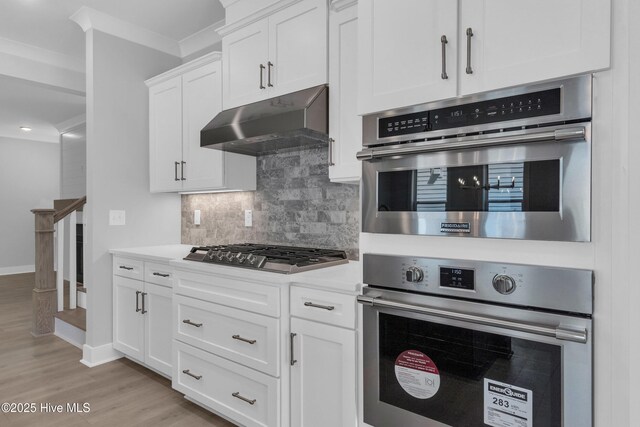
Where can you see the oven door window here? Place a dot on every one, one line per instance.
(441, 372)
(500, 187)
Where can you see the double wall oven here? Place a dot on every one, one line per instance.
(512, 163)
(466, 343)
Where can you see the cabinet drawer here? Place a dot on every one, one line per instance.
(223, 385)
(229, 291)
(322, 306)
(246, 338)
(127, 267)
(160, 274)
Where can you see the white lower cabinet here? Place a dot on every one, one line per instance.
(142, 318)
(248, 397)
(323, 378)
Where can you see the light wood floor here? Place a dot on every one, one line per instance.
(47, 370)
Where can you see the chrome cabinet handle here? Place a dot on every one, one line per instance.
(292, 361)
(138, 301)
(469, 70)
(444, 42)
(143, 309)
(187, 372)
(160, 274)
(124, 267)
(261, 77)
(239, 338)
(182, 178)
(324, 307)
(331, 141)
(270, 66)
(189, 322)
(175, 171)
(249, 401)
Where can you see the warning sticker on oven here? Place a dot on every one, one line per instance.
(417, 374)
(506, 405)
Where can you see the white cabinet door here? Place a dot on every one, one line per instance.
(298, 47)
(345, 125)
(323, 380)
(158, 326)
(165, 135)
(520, 41)
(128, 321)
(400, 52)
(244, 51)
(202, 101)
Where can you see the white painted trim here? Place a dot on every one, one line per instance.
(89, 18)
(339, 5)
(257, 16)
(94, 356)
(191, 65)
(7, 137)
(203, 39)
(69, 333)
(82, 300)
(38, 54)
(71, 124)
(227, 3)
(18, 269)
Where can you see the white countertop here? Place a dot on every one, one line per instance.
(345, 277)
(163, 253)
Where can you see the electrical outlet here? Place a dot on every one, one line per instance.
(116, 217)
(196, 217)
(248, 218)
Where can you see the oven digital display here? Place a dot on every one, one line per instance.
(457, 278)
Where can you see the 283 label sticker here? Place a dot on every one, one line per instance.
(506, 405)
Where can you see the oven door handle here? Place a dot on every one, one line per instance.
(577, 335)
(577, 133)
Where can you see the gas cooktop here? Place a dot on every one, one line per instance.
(274, 258)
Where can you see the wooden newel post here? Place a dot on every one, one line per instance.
(44, 294)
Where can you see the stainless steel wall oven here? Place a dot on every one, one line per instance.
(512, 163)
(465, 344)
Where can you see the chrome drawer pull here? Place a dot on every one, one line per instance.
(161, 275)
(249, 401)
(189, 322)
(324, 307)
(124, 267)
(138, 301)
(292, 359)
(197, 377)
(239, 338)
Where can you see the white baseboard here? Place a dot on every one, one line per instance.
(82, 300)
(4, 271)
(69, 333)
(94, 356)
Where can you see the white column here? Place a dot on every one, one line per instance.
(73, 277)
(60, 263)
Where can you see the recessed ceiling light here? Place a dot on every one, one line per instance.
(25, 128)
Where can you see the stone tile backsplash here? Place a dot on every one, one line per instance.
(294, 204)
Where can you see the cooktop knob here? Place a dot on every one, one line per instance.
(504, 284)
(241, 257)
(251, 258)
(219, 255)
(229, 256)
(414, 274)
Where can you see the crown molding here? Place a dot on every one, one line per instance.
(45, 56)
(71, 123)
(88, 18)
(39, 139)
(339, 5)
(203, 39)
(257, 16)
(184, 68)
(227, 3)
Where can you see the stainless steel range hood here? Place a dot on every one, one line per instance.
(285, 122)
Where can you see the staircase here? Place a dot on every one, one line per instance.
(55, 300)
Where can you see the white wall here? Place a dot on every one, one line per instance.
(28, 179)
(615, 247)
(73, 164)
(118, 169)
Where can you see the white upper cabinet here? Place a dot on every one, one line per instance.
(401, 56)
(520, 41)
(181, 103)
(345, 126)
(245, 61)
(283, 51)
(490, 44)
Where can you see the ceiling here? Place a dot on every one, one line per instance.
(45, 24)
